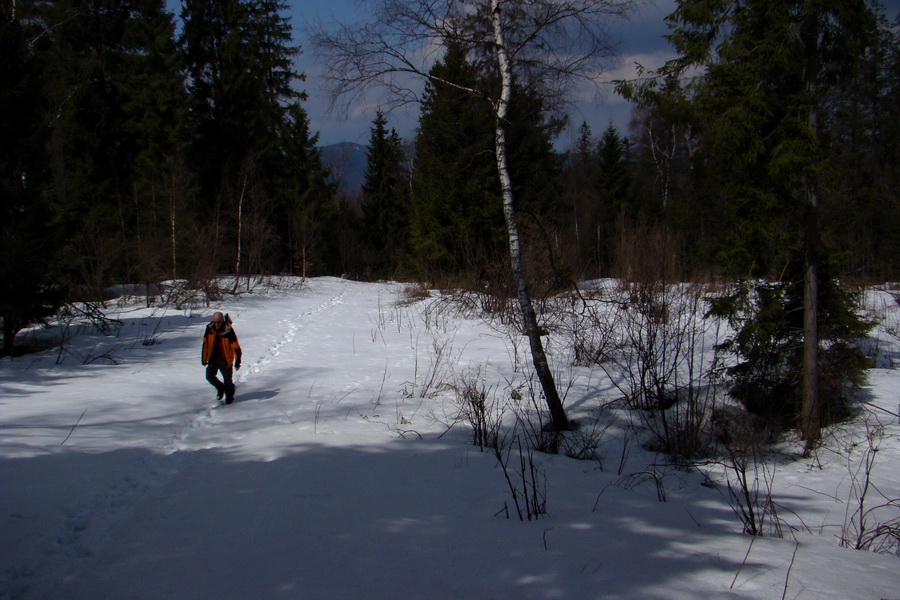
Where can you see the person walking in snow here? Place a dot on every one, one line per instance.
(221, 352)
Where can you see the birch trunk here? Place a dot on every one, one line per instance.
(538, 357)
(240, 225)
(173, 239)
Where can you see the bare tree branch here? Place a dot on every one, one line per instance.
(544, 45)
(552, 45)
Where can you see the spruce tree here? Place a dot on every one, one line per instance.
(247, 109)
(311, 215)
(28, 239)
(535, 170)
(457, 223)
(767, 64)
(155, 131)
(613, 178)
(613, 189)
(112, 94)
(456, 227)
(579, 176)
(385, 203)
(860, 187)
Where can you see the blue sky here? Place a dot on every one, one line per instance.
(640, 41)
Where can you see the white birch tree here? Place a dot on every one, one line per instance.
(547, 45)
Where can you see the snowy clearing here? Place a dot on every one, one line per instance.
(341, 471)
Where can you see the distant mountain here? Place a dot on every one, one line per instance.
(347, 162)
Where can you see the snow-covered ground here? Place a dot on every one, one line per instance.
(340, 472)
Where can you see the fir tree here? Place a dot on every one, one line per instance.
(860, 185)
(385, 203)
(28, 240)
(246, 106)
(579, 177)
(767, 65)
(613, 178)
(613, 189)
(111, 91)
(311, 214)
(156, 134)
(240, 56)
(456, 223)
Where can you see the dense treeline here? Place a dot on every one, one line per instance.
(133, 152)
(718, 158)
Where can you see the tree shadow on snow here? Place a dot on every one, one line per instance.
(241, 396)
(398, 519)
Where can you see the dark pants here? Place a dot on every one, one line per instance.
(212, 368)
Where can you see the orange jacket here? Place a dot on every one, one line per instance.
(228, 344)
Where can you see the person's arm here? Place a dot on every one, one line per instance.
(237, 351)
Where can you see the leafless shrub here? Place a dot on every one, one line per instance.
(652, 475)
(432, 378)
(432, 317)
(279, 282)
(481, 408)
(527, 483)
(583, 443)
(413, 293)
(655, 478)
(664, 363)
(870, 523)
(649, 332)
(63, 341)
(749, 479)
(76, 317)
(588, 324)
(533, 419)
(661, 360)
(188, 294)
(93, 314)
(480, 304)
(106, 355)
(150, 337)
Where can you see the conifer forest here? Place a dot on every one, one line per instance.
(143, 147)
